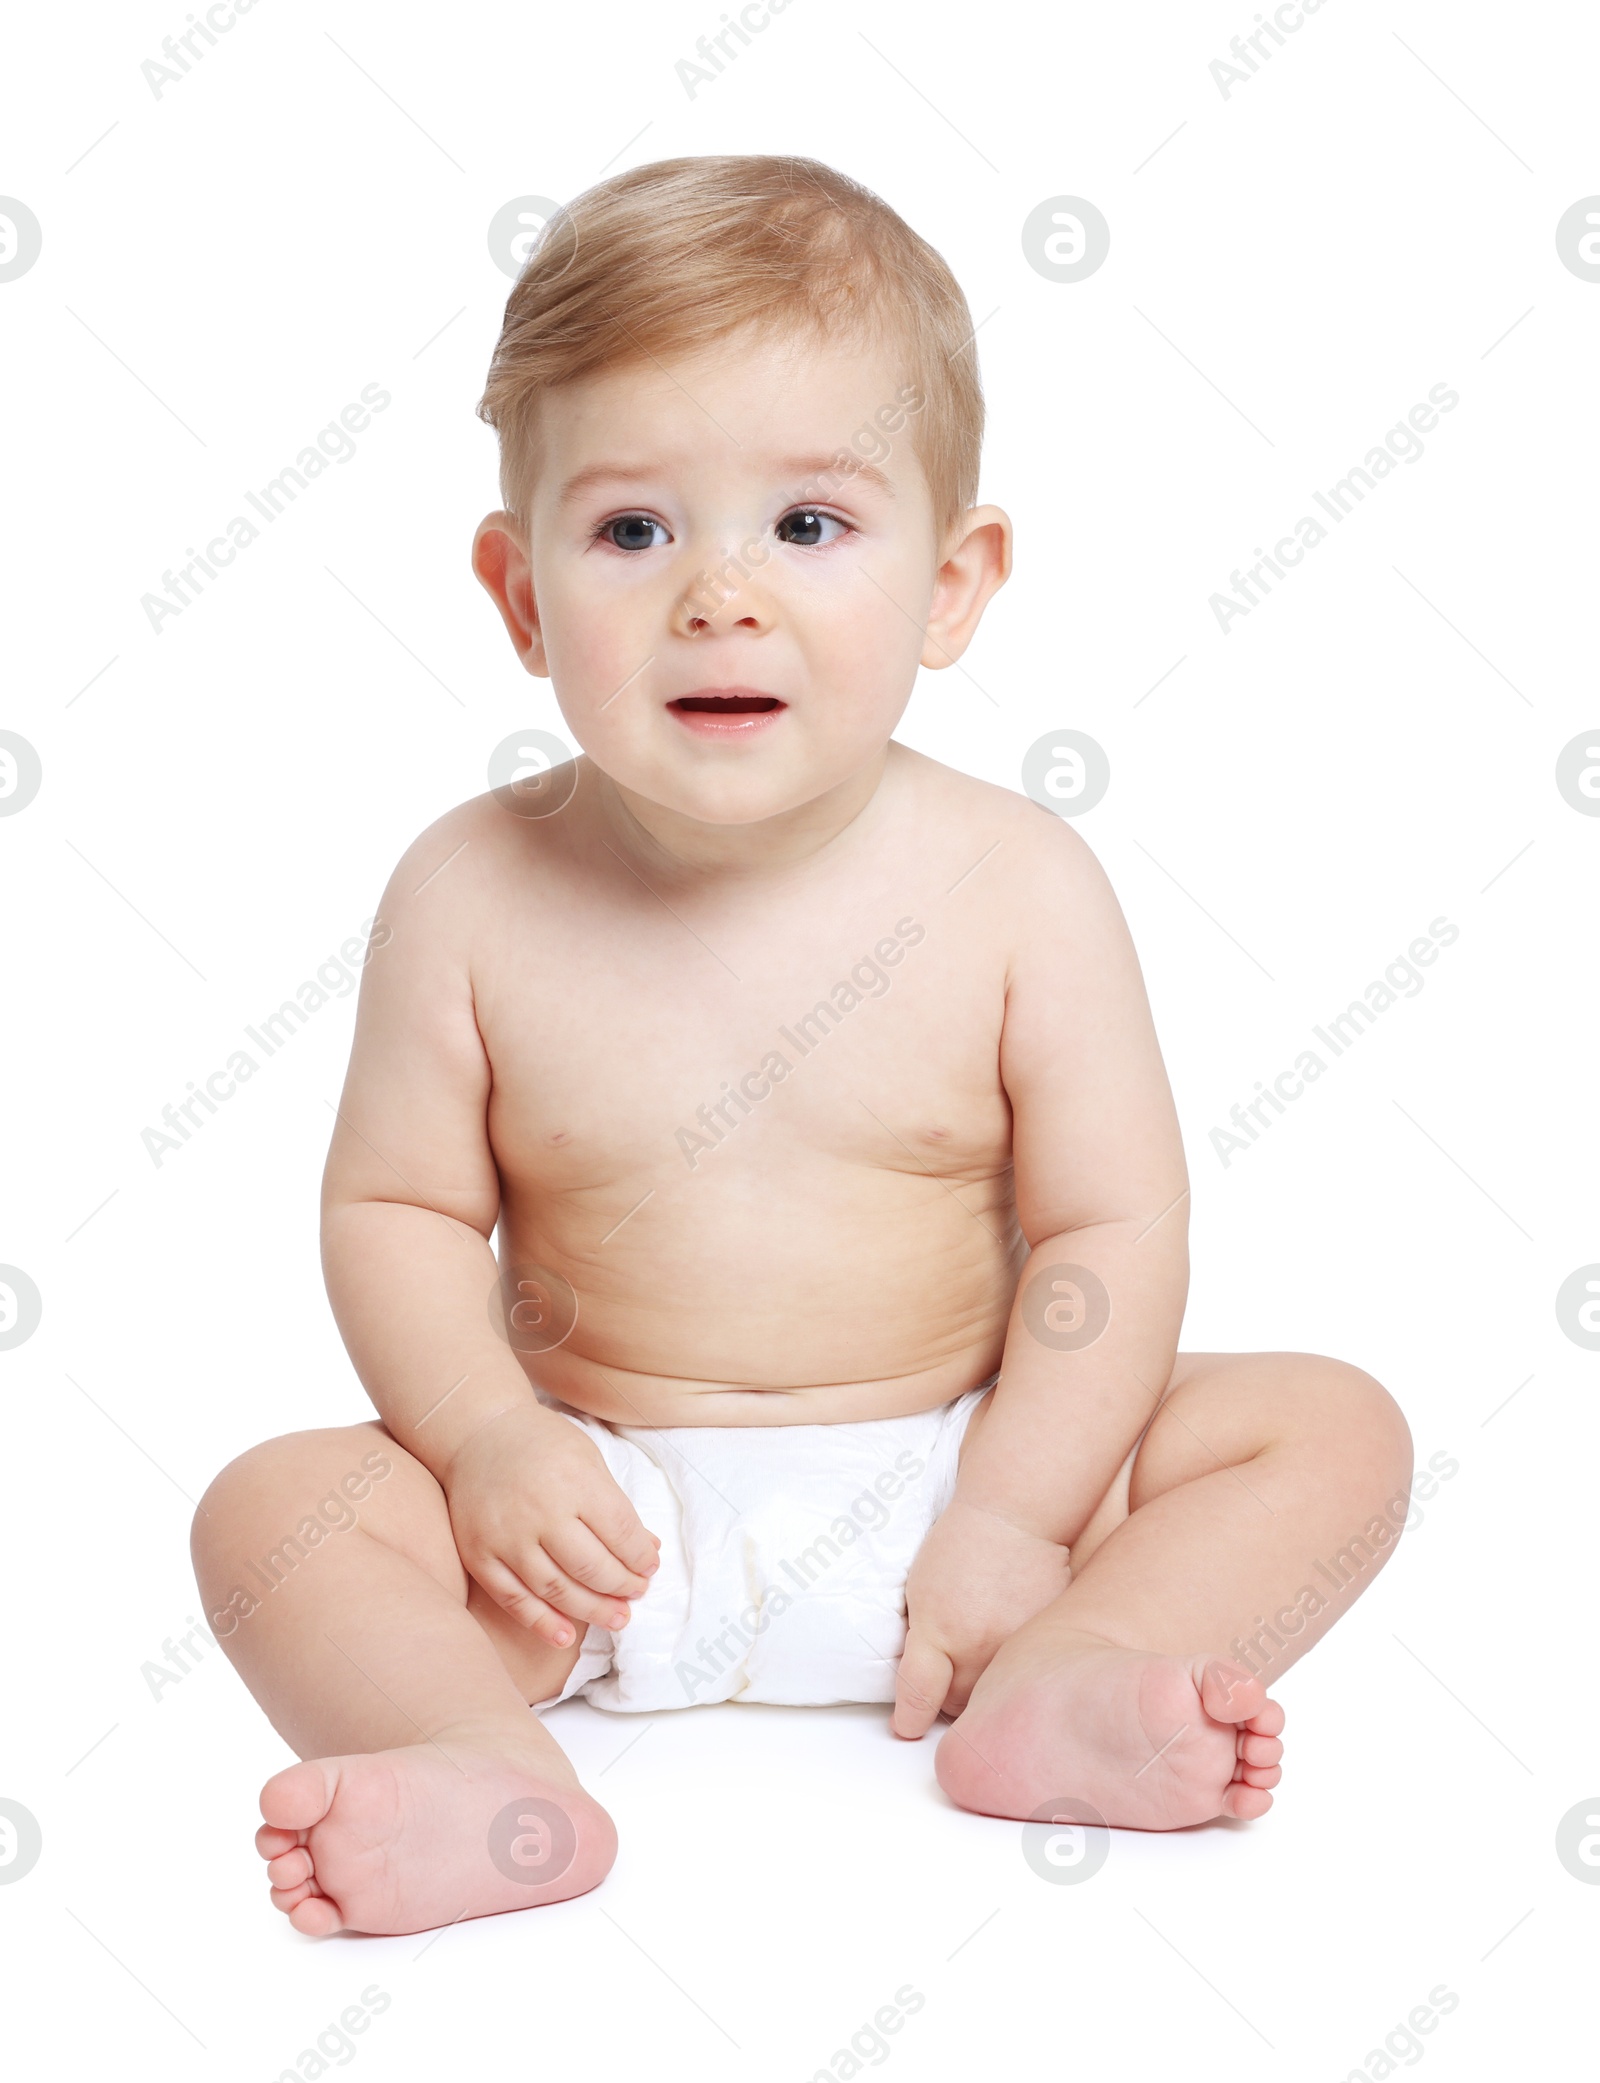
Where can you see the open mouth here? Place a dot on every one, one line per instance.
(728, 713)
(735, 704)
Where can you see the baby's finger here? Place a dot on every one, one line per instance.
(920, 1687)
(578, 1550)
(593, 1568)
(616, 1522)
(513, 1596)
(547, 1580)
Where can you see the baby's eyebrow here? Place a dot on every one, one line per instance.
(841, 464)
(811, 470)
(593, 474)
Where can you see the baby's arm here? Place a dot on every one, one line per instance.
(1101, 1187)
(410, 1200)
(1102, 1192)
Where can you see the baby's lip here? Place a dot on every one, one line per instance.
(727, 701)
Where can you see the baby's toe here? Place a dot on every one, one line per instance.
(1258, 1775)
(1260, 1750)
(290, 1898)
(290, 1867)
(1269, 1722)
(1246, 1803)
(1228, 1692)
(300, 1795)
(316, 1917)
(272, 1842)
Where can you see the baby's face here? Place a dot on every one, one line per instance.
(732, 622)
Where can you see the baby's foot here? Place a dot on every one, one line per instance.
(1151, 1742)
(403, 1840)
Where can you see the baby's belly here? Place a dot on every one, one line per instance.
(842, 1300)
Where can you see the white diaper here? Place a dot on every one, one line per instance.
(784, 1556)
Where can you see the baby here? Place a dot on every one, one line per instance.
(831, 1351)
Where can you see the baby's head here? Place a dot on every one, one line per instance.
(739, 420)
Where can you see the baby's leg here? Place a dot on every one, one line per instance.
(431, 1792)
(1244, 1531)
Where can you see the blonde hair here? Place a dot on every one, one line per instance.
(667, 259)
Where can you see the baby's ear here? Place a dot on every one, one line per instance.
(500, 560)
(977, 563)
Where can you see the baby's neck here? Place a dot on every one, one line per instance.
(653, 837)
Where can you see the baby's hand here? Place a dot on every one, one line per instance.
(542, 1524)
(976, 1579)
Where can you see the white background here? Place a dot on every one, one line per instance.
(304, 213)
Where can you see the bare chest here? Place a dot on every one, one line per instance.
(656, 1047)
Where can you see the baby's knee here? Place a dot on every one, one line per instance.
(1363, 1423)
(325, 1475)
(1375, 1408)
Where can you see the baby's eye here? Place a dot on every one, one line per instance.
(807, 519)
(623, 533)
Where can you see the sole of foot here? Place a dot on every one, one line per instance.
(1149, 1742)
(407, 1840)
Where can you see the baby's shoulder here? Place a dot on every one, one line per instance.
(471, 858)
(465, 827)
(1032, 848)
